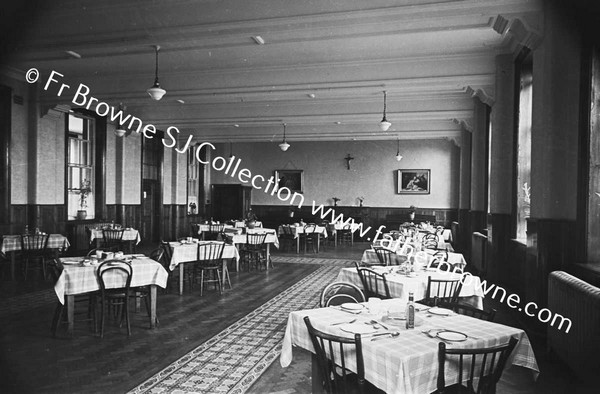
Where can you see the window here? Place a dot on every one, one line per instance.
(523, 145)
(80, 167)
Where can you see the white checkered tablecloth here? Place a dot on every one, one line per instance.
(78, 279)
(271, 236)
(297, 230)
(400, 285)
(407, 363)
(128, 235)
(183, 252)
(370, 257)
(11, 243)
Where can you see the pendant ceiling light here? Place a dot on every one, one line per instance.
(156, 92)
(384, 124)
(284, 145)
(398, 155)
(120, 130)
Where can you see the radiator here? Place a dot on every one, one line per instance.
(579, 301)
(478, 246)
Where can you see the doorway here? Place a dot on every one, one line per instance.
(152, 158)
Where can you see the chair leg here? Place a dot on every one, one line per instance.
(56, 319)
(102, 317)
(219, 281)
(226, 275)
(127, 314)
(201, 282)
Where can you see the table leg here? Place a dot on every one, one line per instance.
(318, 242)
(181, 278)
(153, 294)
(335, 238)
(13, 265)
(268, 256)
(297, 244)
(70, 301)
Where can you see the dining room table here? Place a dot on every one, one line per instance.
(79, 276)
(402, 360)
(185, 251)
(130, 235)
(401, 284)
(11, 245)
(455, 259)
(298, 229)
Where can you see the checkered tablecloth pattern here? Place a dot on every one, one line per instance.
(407, 363)
(183, 252)
(128, 235)
(78, 279)
(11, 243)
(297, 230)
(271, 236)
(400, 285)
(370, 257)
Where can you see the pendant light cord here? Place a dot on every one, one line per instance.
(156, 47)
(384, 105)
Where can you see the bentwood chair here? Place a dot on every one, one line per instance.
(480, 368)
(34, 249)
(310, 237)
(87, 300)
(209, 261)
(442, 290)
(345, 235)
(430, 241)
(287, 239)
(374, 283)
(331, 353)
(254, 252)
(195, 229)
(115, 290)
(338, 293)
(113, 238)
(384, 255)
(214, 230)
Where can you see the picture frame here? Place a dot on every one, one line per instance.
(292, 179)
(414, 181)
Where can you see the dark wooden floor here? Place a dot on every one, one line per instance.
(31, 361)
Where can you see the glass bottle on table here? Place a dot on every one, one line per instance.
(410, 311)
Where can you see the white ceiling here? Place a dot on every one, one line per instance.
(430, 56)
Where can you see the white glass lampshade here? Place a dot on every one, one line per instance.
(284, 146)
(156, 92)
(120, 131)
(398, 157)
(384, 125)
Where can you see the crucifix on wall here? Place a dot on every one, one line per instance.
(348, 158)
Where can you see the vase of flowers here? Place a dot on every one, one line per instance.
(84, 191)
(335, 201)
(411, 212)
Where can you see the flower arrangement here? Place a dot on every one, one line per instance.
(527, 191)
(361, 199)
(412, 209)
(84, 191)
(335, 201)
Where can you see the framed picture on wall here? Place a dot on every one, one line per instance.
(414, 181)
(292, 179)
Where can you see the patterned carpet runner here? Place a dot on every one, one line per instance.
(231, 361)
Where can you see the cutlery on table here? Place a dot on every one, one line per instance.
(382, 335)
(373, 322)
(343, 322)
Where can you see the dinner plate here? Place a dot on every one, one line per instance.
(440, 311)
(350, 306)
(452, 336)
(70, 262)
(357, 328)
